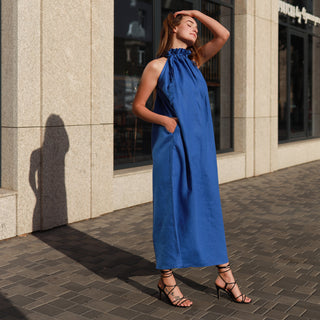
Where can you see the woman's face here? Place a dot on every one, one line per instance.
(187, 30)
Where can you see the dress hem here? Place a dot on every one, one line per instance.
(192, 265)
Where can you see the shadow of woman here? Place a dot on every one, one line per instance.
(7, 310)
(47, 176)
(105, 260)
(47, 180)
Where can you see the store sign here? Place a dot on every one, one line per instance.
(295, 12)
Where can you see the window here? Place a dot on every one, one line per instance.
(299, 80)
(136, 37)
(218, 73)
(133, 49)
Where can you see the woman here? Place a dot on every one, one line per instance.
(188, 228)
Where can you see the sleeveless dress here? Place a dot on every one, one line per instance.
(188, 226)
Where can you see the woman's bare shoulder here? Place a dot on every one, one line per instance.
(156, 65)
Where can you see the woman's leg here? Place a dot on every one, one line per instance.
(167, 284)
(226, 282)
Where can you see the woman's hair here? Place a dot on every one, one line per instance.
(166, 36)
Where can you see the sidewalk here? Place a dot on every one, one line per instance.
(105, 269)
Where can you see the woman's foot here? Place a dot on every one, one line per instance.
(167, 285)
(225, 281)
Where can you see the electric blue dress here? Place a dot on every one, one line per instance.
(188, 226)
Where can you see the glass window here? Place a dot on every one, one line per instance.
(133, 49)
(136, 37)
(218, 74)
(299, 78)
(282, 74)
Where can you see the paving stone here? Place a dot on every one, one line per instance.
(21, 301)
(79, 309)
(146, 317)
(62, 304)
(48, 310)
(275, 314)
(70, 316)
(124, 313)
(290, 317)
(297, 311)
(93, 314)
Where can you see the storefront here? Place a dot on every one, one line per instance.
(69, 73)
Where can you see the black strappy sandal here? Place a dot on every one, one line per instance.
(177, 301)
(229, 290)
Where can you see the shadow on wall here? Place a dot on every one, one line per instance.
(47, 176)
(7, 310)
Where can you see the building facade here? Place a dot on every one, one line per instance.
(70, 146)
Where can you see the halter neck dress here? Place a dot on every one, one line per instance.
(188, 226)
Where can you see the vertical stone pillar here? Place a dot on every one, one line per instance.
(244, 82)
(102, 107)
(21, 98)
(256, 83)
(266, 86)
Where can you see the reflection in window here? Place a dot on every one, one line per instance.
(218, 74)
(133, 49)
(282, 81)
(299, 77)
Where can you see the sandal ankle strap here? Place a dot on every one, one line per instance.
(227, 267)
(166, 273)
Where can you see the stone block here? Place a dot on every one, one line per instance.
(8, 209)
(66, 64)
(244, 66)
(262, 145)
(262, 67)
(102, 61)
(102, 169)
(132, 186)
(29, 60)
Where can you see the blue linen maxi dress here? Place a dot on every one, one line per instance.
(188, 226)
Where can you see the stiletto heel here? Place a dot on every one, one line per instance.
(229, 290)
(218, 291)
(177, 301)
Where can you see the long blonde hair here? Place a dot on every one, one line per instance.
(166, 38)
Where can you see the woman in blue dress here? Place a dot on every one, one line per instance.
(188, 227)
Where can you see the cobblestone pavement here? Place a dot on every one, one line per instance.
(105, 268)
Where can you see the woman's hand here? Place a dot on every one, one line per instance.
(190, 13)
(170, 124)
(219, 32)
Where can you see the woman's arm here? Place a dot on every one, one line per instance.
(147, 84)
(220, 33)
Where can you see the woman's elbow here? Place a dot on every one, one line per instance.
(225, 36)
(135, 109)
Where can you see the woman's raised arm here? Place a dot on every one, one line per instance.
(220, 34)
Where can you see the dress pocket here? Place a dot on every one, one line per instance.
(175, 129)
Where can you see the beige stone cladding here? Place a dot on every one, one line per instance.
(255, 109)
(57, 112)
